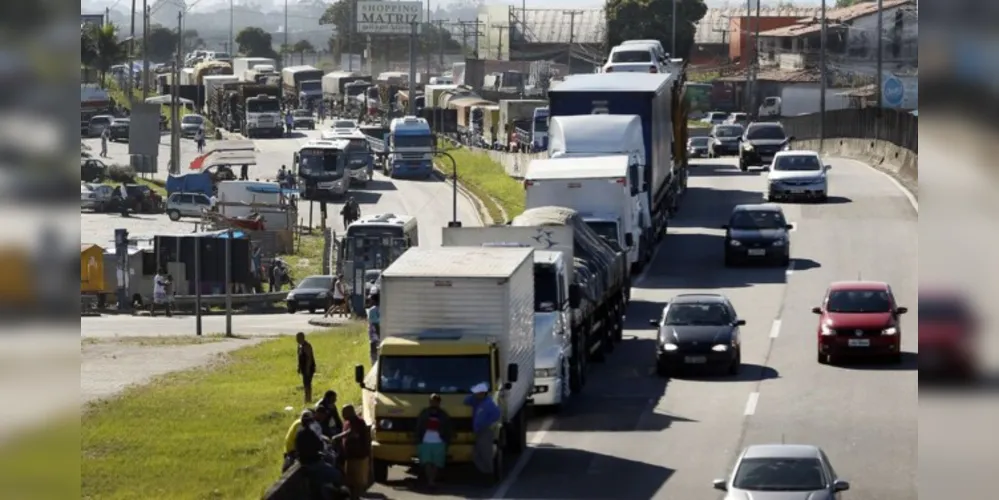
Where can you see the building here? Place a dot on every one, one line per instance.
(576, 38)
(720, 39)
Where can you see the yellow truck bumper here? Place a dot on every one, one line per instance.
(405, 454)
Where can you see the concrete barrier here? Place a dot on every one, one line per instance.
(900, 163)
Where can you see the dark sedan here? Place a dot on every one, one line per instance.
(119, 129)
(697, 147)
(698, 330)
(760, 142)
(724, 140)
(757, 233)
(314, 292)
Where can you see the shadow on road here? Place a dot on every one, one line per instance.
(909, 363)
(719, 169)
(375, 185)
(711, 208)
(747, 373)
(366, 197)
(804, 264)
(697, 261)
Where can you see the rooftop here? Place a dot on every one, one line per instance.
(714, 26)
(758, 207)
(781, 451)
(777, 75)
(858, 285)
(689, 298)
(811, 23)
(554, 25)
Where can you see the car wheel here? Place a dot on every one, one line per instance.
(822, 359)
(291, 309)
(771, 197)
(785, 261)
(736, 364)
(662, 369)
(379, 469)
(743, 166)
(174, 215)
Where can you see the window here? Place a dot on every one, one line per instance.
(631, 56)
(344, 124)
(859, 301)
(317, 282)
(202, 200)
(546, 289)
(195, 119)
(699, 314)
(698, 141)
(757, 219)
(775, 132)
(798, 163)
(432, 374)
(780, 474)
(185, 199)
(728, 131)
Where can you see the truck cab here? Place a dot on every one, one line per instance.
(263, 117)
(539, 130)
(411, 148)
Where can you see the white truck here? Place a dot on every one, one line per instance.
(451, 319)
(589, 136)
(552, 277)
(213, 82)
(263, 74)
(187, 76)
(602, 189)
(241, 65)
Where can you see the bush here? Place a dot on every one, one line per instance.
(121, 173)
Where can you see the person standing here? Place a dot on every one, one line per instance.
(244, 172)
(356, 451)
(289, 121)
(485, 414)
(374, 315)
(105, 135)
(199, 138)
(306, 364)
(160, 284)
(433, 432)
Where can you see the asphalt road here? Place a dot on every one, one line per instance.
(633, 435)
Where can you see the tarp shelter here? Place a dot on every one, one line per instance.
(166, 100)
(180, 248)
(226, 153)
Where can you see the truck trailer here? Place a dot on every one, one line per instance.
(241, 65)
(301, 85)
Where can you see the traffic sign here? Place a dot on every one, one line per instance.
(892, 92)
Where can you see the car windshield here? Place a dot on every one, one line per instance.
(412, 141)
(858, 301)
(738, 117)
(195, 119)
(631, 56)
(779, 474)
(699, 141)
(798, 163)
(323, 282)
(706, 314)
(774, 132)
(123, 121)
(757, 219)
(728, 131)
(100, 120)
(431, 374)
(343, 124)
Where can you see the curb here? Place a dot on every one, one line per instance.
(329, 322)
(480, 208)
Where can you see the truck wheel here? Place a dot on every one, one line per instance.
(379, 469)
(577, 368)
(598, 355)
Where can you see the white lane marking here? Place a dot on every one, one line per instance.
(648, 267)
(775, 329)
(754, 398)
(790, 268)
(525, 457)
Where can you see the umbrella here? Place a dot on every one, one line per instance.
(167, 100)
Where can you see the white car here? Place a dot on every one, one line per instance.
(656, 45)
(633, 59)
(716, 117)
(797, 174)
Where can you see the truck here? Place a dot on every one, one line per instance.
(334, 86)
(208, 68)
(598, 287)
(602, 190)
(187, 76)
(213, 82)
(658, 99)
(355, 97)
(241, 65)
(590, 136)
(251, 109)
(262, 74)
(539, 129)
(514, 110)
(552, 270)
(434, 92)
(452, 318)
(301, 85)
(405, 148)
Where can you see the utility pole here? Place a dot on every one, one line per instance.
(464, 35)
(175, 102)
(572, 35)
(426, 49)
(756, 57)
(440, 41)
(414, 38)
(744, 42)
(145, 51)
(107, 16)
(822, 78)
(131, 57)
(232, 8)
(672, 46)
(880, 77)
(499, 49)
(284, 49)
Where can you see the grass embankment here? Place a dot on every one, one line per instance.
(308, 257)
(485, 179)
(121, 97)
(155, 341)
(215, 432)
(42, 463)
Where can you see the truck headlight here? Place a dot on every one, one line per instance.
(747, 146)
(545, 373)
(385, 424)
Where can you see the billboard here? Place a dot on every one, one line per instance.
(388, 18)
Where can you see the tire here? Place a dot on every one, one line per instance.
(174, 215)
(499, 467)
(578, 365)
(785, 262)
(598, 356)
(823, 359)
(312, 310)
(733, 368)
(663, 370)
(379, 470)
(516, 435)
(291, 309)
(770, 197)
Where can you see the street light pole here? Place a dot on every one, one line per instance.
(232, 6)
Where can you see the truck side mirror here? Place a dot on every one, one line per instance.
(574, 296)
(295, 158)
(629, 240)
(359, 374)
(512, 373)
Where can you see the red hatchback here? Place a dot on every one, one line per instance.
(859, 319)
(947, 340)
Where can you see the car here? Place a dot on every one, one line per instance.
(724, 140)
(190, 124)
(303, 119)
(760, 143)
(98, 123)
(92, 170)
(859, 319)
(346, 126)
(697, 147)
(187, 205)
(782, 472)
(757, 233)
(633, 59)
(715, 117)
(312, 293)
(119, 129)
(96, 197)
(656, 46)
(738, 119)
(947, 337)
(698, 330)
(797, 174)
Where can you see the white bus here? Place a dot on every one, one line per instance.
(370, 245)
(320, 169)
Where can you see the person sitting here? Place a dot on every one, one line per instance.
(311, 449)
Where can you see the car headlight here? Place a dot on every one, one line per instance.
(385, 424)
(735, 243)
(747, 146)
(321, 295)
(669, 346)
(891, 330)
(826, 330)
(778, 243)
(545, 373)
(290, 296)
(720, 348)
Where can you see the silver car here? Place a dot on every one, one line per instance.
(187, 205)
(190, 124)
(98, 123)
(782, 472)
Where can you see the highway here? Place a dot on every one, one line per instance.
(633, 435)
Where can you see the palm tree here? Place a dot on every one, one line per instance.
(101, 49)
(300, 48)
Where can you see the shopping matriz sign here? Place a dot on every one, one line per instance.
(388, 18)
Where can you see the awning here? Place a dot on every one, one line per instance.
(168, 100)
(231, 146)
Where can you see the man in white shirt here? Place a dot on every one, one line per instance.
(160, 284)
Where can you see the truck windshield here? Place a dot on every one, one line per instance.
(541, 124)
(263, 106)
(607, 229)
(432, 374)
(411, 141)
(545, 288)
(357, 152)
(311, 86)
(320, 162)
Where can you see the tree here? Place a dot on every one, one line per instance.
(162, 43)
(101, 49)
(255, 42)
(653, 19)
(302, 47)
(338, 15)
(191, 41)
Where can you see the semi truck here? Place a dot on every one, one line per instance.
(213, 82)
(262, 74)
(658, 99)
(598, 287)
(301, 85)
(587, 136)
(334, 87)
(552, 278)
(603, 189)
(241, 65)
(451, 319)
(251, 109)
(405, 148)
(518, 110)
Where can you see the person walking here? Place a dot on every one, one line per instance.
(485, 414)
(161, 282)
(433, 433)
(356, 451)
(244, 172)
(105, 135)
(306, 364)
(199, 138)
(374, 315)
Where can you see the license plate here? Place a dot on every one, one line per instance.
(858, 343)
(797, 191)
(757, 252)
(695, 360)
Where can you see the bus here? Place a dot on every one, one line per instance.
(371, 244)
(320, 169)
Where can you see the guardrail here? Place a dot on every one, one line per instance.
(238, 300)
(898, 127)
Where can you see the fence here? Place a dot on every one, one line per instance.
(900, 128)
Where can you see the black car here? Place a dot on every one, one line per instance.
(119, 129)
(697, 147)
(760, 142)
(724, 140)
(698, 331)
(303, 119)
(757, 233)
(314, 292)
